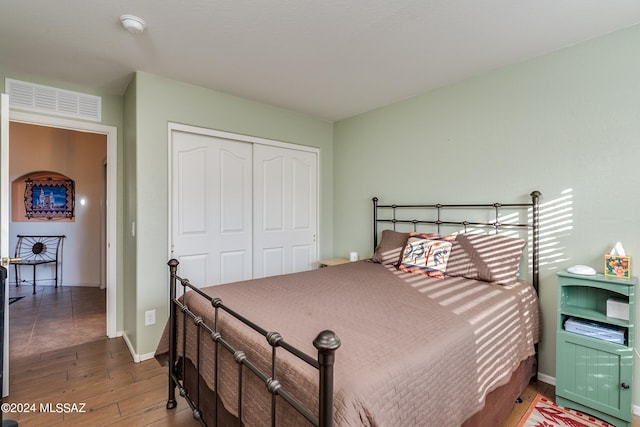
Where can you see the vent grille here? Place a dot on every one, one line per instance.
(51, 100)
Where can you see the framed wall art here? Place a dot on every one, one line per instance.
(49, 198)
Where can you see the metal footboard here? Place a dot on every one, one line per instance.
(326, 343)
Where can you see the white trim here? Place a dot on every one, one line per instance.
(136, 358)
(238, 137)
(547, 379)
(4, 228)
(147, 356)
(111, 132)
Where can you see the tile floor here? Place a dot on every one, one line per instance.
(55, 318)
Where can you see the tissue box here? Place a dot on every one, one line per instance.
(617, 266)
(618, 308)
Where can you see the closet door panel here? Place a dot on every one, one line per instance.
(285, 210)
(301, 193)
(196, 267)
(273, 261)
(271, 193)
(191, 166)
(211, 217)
(234, 215)
(232, 266)
(269, 211)
(301, 257)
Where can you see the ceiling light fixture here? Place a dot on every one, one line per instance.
(133, 24)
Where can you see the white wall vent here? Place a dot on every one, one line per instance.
(54, 101)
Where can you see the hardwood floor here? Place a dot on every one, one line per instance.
(59, 354)
(527, 397)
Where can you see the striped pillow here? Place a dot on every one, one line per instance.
(488, 257)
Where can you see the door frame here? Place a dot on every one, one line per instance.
(4, 228)
(111, 132)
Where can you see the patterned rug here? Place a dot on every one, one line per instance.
(543, 412)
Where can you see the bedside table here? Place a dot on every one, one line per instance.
(331, 262)
(593, 374)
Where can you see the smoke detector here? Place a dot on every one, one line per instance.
(133, 24)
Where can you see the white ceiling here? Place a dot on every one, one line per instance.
(329, 58)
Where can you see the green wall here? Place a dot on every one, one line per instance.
(567, 124)
(159, 101)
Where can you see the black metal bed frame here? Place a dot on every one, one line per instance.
(326, 342)
(437, 209)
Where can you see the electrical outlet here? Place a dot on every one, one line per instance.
(149, 317)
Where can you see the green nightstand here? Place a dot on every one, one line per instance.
(594, 368)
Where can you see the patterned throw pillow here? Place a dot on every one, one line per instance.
(426, 254)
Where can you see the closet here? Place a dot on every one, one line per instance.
(240, 207)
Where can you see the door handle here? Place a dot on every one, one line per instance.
(5, 261)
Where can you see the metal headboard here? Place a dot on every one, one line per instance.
(396, 214)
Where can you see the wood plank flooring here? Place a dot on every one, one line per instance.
(59, 354)
(69, 360)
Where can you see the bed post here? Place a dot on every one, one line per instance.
(327, 343)
(173, 268)
(375, 223)
(535, 196)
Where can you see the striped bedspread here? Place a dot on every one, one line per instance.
(415, 350)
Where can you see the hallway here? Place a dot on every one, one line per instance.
(54, 318)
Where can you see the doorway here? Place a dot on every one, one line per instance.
(107, 235)
(42, 154)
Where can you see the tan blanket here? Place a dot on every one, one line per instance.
(415, 350)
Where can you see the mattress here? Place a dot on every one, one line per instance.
(416, 350)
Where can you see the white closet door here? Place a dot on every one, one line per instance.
(285, 210)
(211, 216)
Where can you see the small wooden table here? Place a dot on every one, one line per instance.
(331, 262)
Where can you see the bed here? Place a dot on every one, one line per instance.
(390, 340)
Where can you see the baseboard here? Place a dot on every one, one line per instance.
(547, 379)
(136, 358)
(147, 356)
(50, 283)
